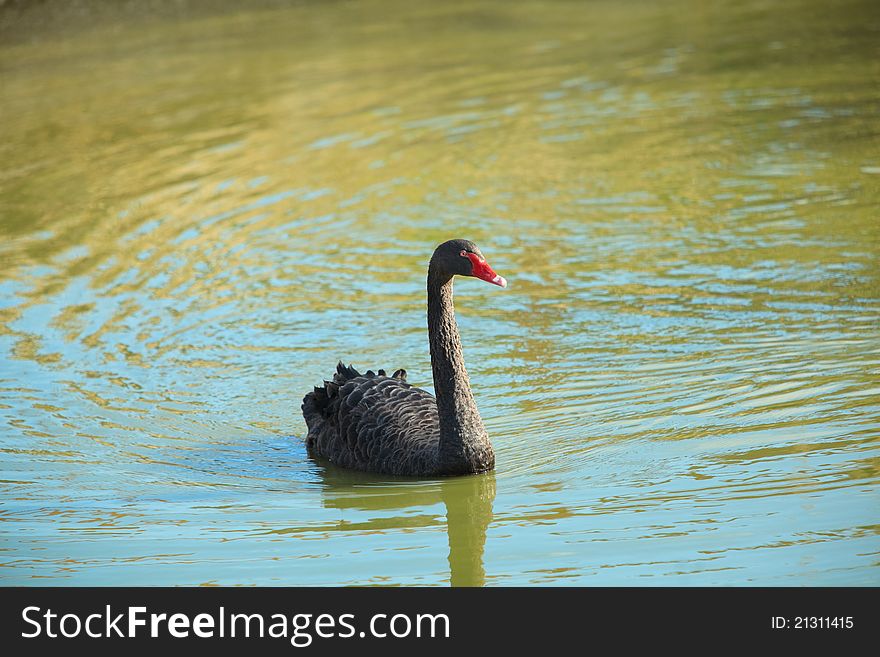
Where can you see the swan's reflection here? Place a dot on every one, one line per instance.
(468, 502)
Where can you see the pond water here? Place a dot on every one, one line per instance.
(202, 210)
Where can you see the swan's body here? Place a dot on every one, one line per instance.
(374, 423)
(377, 423)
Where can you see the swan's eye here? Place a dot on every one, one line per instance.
(463, 253)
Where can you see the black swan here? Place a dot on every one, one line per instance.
(377, 423)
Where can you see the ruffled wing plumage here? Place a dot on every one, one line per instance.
(373, 422)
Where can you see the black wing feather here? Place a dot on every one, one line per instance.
(373, 422)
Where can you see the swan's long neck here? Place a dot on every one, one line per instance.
(464, 443)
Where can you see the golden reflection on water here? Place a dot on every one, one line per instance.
(468, 509)
(199, 216)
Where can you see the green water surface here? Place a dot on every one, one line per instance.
(203, 207)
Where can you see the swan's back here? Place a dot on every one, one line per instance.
(373, 422)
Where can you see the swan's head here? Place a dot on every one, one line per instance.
(463, 258)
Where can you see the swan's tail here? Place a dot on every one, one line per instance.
(323, 401)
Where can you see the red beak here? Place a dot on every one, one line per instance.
(482, 270)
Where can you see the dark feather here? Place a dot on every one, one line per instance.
(373, 423)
